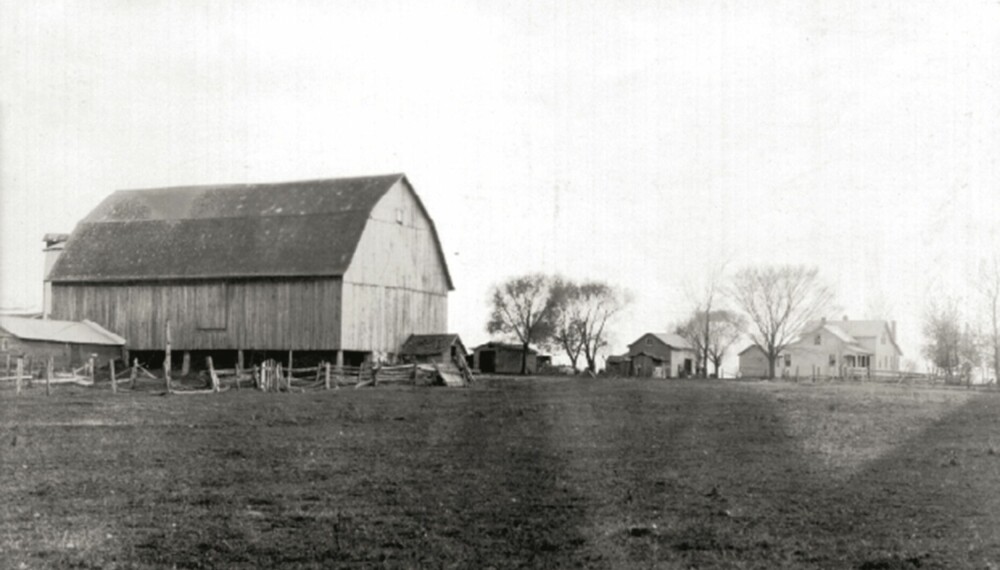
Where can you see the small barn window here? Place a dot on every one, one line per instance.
(818, 340)
(833, 360)
(211, 307)
(399, 215)
(649, 341)
(788, 360)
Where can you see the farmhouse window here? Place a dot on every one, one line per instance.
(818, 340)
(788, 360)
(833, 360)
(211, 307)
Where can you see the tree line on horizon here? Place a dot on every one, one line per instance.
(962, 336)
(768, 305)
(773, 303)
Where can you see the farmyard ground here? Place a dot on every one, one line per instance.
(535, 473)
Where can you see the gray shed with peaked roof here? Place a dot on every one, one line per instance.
(346, 265)
(67, 343)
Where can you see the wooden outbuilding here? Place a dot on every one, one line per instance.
(67, 343)
(336, 269)
(660, 355)
(444, 352)
(503, 358)
(617, 365)
(433, 348)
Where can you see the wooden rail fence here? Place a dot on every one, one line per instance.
(269, 376)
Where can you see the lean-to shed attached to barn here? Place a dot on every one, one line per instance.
(336, 268)
(67, 343)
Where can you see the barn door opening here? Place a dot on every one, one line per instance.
(487, 361)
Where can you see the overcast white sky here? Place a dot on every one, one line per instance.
(630, 141)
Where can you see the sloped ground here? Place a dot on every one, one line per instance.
(510, 473)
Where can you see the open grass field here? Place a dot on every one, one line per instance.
(535, 473)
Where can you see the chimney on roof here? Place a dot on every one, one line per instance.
(54, 244)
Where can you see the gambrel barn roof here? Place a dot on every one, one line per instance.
(289, 229)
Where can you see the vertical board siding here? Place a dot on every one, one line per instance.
(397, 254)
(381, 318)
(302, 314)
(396, 284)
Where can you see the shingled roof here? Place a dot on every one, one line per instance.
(429, 344)
(72, 332)
(306, 228)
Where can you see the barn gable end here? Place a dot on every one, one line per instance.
(398, 282)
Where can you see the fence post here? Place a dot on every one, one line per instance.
(93, 374)
(288, 380)
(20, 370)
(49, 371)
(215, 377)
(114, 379)
(134, 376)
(166, 360)
(327, 375)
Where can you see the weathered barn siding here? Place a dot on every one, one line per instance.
(259, 267)
(261, 314)
(397, 283)
(647, 366)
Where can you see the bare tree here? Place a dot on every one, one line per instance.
(697, 330)
(989, 282)
(778, 302)
(523, 307)
(567, 331)
(943, 338)
(712, 335)
(725, 328)
(693, 331)
(599, 304)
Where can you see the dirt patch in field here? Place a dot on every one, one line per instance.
(510, 473)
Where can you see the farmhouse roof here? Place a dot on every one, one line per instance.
(304, 228)
(851, 331)
(749, 348)
(674, 340)
(861, 329)
(73, 332)
(428, 344)
(670, 339)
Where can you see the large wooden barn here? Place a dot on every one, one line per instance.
(337, 269)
